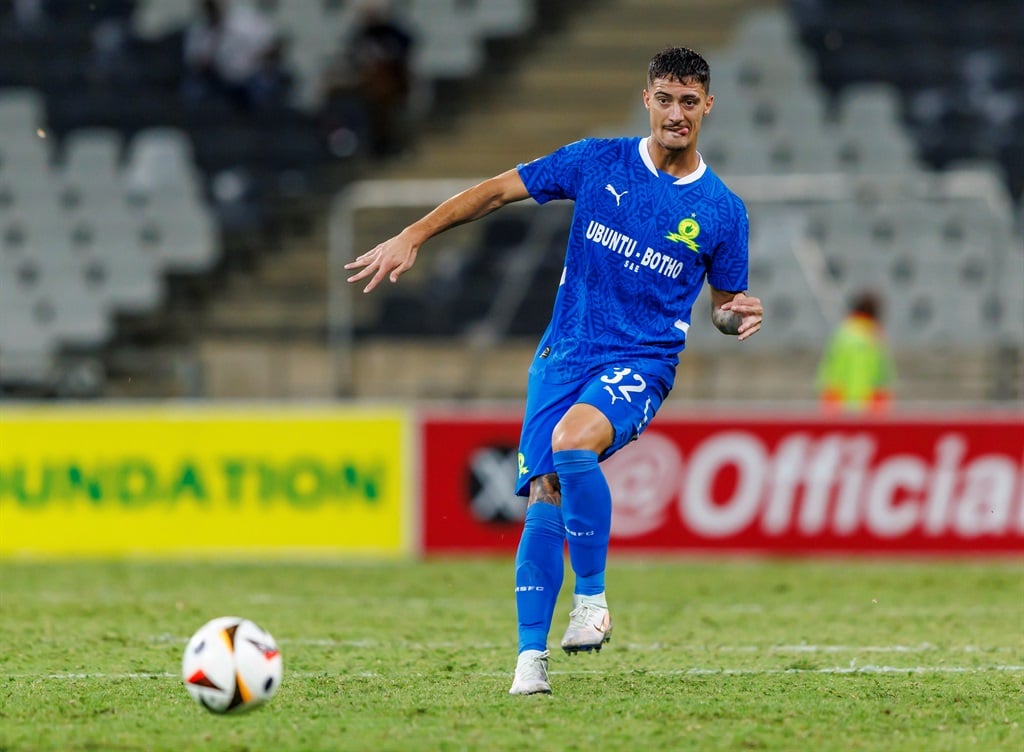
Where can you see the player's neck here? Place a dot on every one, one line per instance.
(678, 164)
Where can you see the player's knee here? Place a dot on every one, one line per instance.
(561, 440)
(595, 437)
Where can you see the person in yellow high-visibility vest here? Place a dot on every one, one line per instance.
(856, 372)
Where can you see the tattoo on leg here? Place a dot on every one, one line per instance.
(545, 489)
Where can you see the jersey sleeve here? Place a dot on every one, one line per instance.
(557, 175)
(730, 261)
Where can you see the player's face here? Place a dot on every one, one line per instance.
(677, 110)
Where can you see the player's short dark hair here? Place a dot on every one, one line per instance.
(680, 64)
(867, 303)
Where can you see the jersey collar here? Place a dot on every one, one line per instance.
(685, 179)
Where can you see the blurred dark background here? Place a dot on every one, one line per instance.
(169, 170)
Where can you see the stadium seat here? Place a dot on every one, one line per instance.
(728, 154)
(93, 155)
(502, 18)
(448, 54)
(127, 282)
(870, 105)
(23, 156)
(112, 257)
(794, 111)
(64, 304)
(182, 235)
(21, 110)
(155, 18)
(927, 318)
(161, 160)
(811, 151)
(766, 28)
(28, 346)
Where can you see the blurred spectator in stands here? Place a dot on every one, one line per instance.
(856, 370)
(272, 83)
(233, 51)
(110, 57)
(30, 15)
(375, 72)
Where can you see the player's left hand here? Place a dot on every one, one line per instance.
(750, 309)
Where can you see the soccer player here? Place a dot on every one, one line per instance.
(651, 223)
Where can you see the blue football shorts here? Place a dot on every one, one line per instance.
(628, 398)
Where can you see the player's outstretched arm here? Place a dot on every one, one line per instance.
(736, 313)
(395, 256)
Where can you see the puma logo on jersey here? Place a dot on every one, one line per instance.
(615, 397)
(618, 196)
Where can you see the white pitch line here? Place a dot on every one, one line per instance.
(695, 671)
(830, 670)
(924, 647)
(369, 643)
(696, 607)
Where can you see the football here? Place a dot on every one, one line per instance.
(231, 665)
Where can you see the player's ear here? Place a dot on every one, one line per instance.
(707, 105)
(647, 99)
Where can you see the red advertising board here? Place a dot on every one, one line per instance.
(944, 485)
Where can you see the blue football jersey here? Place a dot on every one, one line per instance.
(641, 245)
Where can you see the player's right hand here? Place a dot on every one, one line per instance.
(390, 259)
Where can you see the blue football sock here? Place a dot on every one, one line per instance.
(587, 511)
(540, 567)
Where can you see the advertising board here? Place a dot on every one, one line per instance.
(949, 485)
(186, 480)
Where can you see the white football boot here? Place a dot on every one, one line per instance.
(590, 626)
(531, 674)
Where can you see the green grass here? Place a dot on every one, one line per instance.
(707, 655)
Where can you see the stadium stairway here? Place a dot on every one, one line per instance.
(576, 83)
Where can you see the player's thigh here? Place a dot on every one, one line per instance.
(629, 400)
(546, 404)
(583, 427)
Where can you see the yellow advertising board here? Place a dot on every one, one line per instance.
(181, 480)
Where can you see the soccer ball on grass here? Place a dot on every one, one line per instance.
(230, 664)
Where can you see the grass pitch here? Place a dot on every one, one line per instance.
(707, 655)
